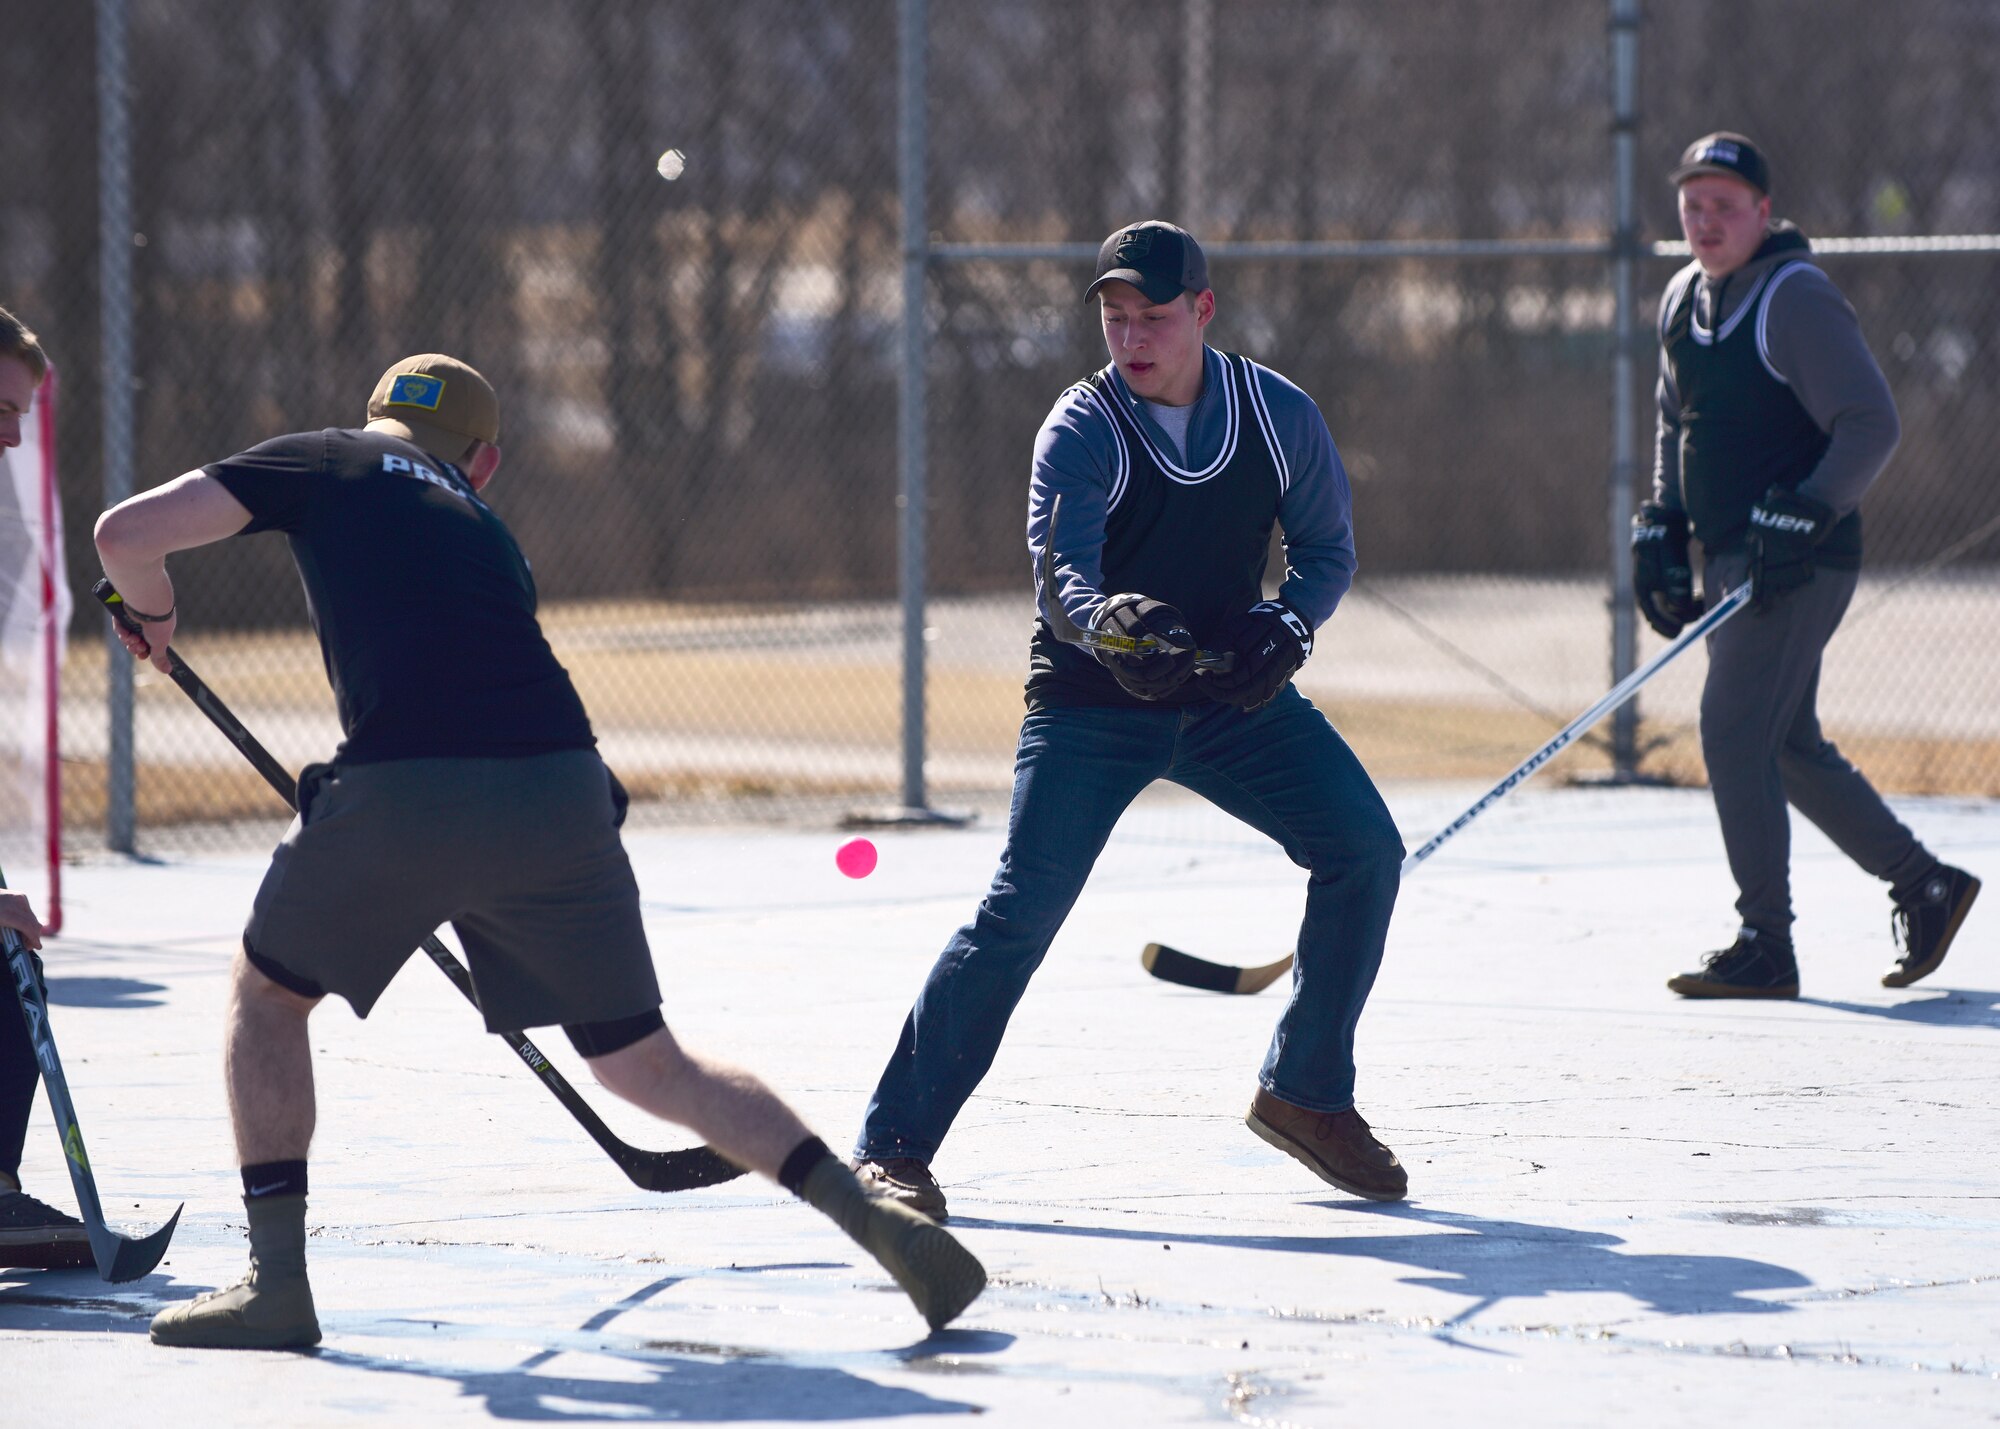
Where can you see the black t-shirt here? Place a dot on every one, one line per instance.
(424, 606)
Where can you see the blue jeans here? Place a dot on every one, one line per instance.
(1281, 769)
(19, 1071)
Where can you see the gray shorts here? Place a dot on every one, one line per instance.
(520, 856)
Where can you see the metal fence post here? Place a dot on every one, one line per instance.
(910, 409)
(1197, 83)
(1624, 417)
(114, 241)
(912, 39)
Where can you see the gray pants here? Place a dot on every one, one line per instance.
(1761, 738)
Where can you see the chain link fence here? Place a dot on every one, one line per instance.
(699, 377)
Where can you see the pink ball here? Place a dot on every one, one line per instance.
(855, 858)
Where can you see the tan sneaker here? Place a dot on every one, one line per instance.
(906, 1181)
(271, 1308)
(940, 1276)
(1335, 1146)
(256, 1313)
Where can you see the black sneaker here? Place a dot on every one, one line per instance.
(1755, 965)
(906, 1181)
(1926, 920)
(35, 1235)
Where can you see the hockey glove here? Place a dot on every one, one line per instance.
(1662, 576)
(1784, 528)
(1271, 641)
(1140, 617)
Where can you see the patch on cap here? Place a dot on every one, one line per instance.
(1718, 151)
(1159, 259)
(1133, 245)
(1724, 153)
(415, 389)
(437, 402)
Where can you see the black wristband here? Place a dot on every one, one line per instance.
(145, 619)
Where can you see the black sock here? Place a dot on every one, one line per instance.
(799, 1165)
(274, 1178)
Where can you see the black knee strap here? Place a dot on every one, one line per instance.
(304, 987)
(600, 1039)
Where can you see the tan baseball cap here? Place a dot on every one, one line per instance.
(437, 402)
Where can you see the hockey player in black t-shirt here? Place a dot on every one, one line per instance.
(1774, 419)
(1173, 465)
(467, 789)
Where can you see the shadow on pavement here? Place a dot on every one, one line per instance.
(744, 1385)
(1490, 1261)
(675, 1380)
(112, 992)
(79, 1301)
(1947, 1007)
(729, 1383)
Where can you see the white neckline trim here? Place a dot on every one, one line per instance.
(1174, 470)
(1261, 405)
(1123, 476)
(1764, 317)
(1709, 338)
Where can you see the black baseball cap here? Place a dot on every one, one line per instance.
(1725, 153)
(1155, 257)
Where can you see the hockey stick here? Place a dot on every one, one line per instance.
(119, 1258)
(1172, 965)
(1070, 633)
(649, 1170)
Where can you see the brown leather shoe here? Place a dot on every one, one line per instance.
(1335, 1146)
(905, 1180)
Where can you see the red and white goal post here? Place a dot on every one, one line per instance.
(35, 608)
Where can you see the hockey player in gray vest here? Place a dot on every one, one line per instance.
(1774, 420)
(1173, 463)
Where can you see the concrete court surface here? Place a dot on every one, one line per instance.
(1625, 1208)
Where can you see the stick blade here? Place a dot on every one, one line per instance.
(122, 1258)
(680, 1170)
(1185, 970)
(1257, 979)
